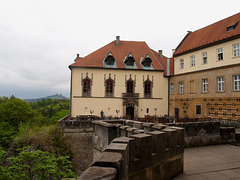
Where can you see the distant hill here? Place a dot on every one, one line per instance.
(56, 96)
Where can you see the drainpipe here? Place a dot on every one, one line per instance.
(71, 93)
(168, 75)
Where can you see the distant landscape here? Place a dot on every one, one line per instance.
(56, 96)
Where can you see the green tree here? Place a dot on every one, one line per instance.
(13, 111)
(58, 115)
(34, 165)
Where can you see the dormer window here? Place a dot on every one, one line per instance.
(231, 28)
(130, 60)
(109, 60)
(147, 61)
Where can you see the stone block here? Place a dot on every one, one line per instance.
(130, 142)
(130, 131)
(180, 139)
(143, 152)
(171, 142)
(147, 127)
(111, 159)
(93, 173)
(158, 146)
(124, 150)
(227, 133)
(138, 131)
(237, 137)
(129, 123)
(159, 127)
(123, 131)
(137, 124)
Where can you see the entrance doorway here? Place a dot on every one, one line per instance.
(177, 113)
(130, 112)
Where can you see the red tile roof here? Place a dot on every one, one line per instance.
(137, 49)
(163, 61)
(211, 34)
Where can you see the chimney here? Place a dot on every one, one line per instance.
(160, 53)
(76, 58)
(117, 40)
(173, 51)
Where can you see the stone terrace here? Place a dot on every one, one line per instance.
(211, 162)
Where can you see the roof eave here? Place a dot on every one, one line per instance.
(71, 67)
(207, 45)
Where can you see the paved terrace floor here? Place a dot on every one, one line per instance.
(211, 162)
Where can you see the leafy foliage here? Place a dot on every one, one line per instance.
(13, 111)
(16, 113)
(38, 165)
(51, 110)
(27, 122)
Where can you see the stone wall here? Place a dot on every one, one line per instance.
(79, 136)
(205, 133)
(125, 149)
(75, 125)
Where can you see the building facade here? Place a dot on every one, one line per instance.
(121, 79)
(206, 80)
(128, 79)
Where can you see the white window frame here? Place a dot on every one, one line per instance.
(236, 50)
(171, 88)
(220, 54)
(181, 63)
(181, 87)
(193, 60)
(236, 82)
(204, 58)
(205, 85)
(220, 84)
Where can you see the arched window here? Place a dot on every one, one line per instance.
(130, 86)
(86, 87)
(109, 87)
(148, 88)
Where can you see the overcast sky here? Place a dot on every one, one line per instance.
(40, 38)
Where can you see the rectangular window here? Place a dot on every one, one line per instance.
(220, 54)
(181, 63)
(198, 109)
(204, 85)
(171, 88)
(236, 50)
(236, 82)
(109, 87)
(192, 60)
(147, 110)
(204, 58)
(220, 84)
(181, 87)
(192, 87)
(86, 87)
(147, 88)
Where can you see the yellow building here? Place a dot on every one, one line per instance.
(206, 80)
(128, 79)
(121, 79)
